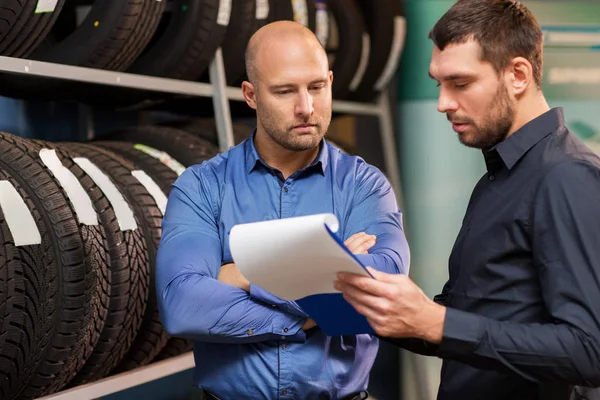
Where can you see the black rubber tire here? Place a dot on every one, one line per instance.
(182, 146)
(111, 37)
(149, 342)
(124, 28)
(380, 19)
(130, 268)
(164, 176)
(98, 249)
(349, 53)
(150, 338)
(175, 347)
(293, 10)
(241, 28)
(321, 22)
(236, 68)
(25, 295)
(72, 292)
(158, 169)
(206, 129)
(21, 29)
(186, 45)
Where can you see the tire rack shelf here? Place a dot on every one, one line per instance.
(221, 95)
(126, 380)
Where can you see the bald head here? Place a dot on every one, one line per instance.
(274, 37)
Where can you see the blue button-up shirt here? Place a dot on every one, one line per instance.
(251, 345)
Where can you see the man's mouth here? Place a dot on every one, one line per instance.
(459, 127)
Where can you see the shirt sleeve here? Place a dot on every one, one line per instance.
(192, 303)
(376, 212)
(565, 235)
(291, 307)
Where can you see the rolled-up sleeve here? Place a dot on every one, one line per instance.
(565, 244)
(193, 304)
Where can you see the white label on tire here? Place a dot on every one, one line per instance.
(394, 57)
(322, 23)
(75, 192)
(364, 61)
(122, 210)
(81, 13)
(45, 6)
(224, 12)
(18, 216)
(300, 11)
(262, 9)
(153, 189)
(161, 156)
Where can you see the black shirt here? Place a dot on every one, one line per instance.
(523, 294)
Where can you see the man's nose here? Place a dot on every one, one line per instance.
(446, 103)
(304, 105)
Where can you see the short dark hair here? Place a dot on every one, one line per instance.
(503, 28)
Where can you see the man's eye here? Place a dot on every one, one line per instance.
(460, 85)
(284, 91)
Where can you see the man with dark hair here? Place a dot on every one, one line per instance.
(519, 317)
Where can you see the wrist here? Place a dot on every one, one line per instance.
(432, 324)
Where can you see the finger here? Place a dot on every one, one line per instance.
(364, 247)
(385, 277)
(358, 245)
(363, 304)
(359, 307)
(353, 238)
(365, 283)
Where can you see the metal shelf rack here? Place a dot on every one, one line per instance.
(221, 95)
(218, 90)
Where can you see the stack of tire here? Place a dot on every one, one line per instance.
(178, 39)
(79, 225)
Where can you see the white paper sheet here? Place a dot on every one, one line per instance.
(292, 257)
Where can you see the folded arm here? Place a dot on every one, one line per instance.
(192, 302)
(375, 210)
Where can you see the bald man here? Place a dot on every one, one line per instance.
(249, 344)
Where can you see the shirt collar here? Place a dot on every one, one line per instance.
(253, 158)
(511, 150)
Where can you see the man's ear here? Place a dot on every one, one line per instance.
(520, 75)
(249, 94)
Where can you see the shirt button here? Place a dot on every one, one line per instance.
(284, 346)
(284, 392)
(285, 329)
(283, 338)
(492, 177)
(285, 189)
(250, 332)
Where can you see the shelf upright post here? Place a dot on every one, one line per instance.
(390, 153)
(221, 102)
